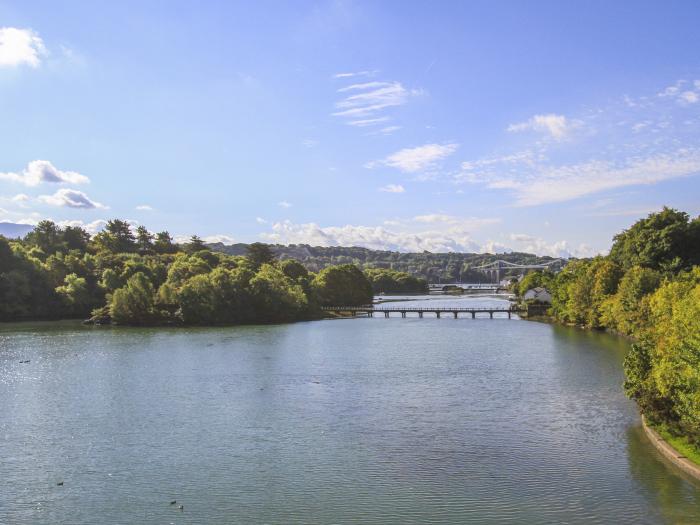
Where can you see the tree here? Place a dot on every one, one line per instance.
(276, 298)
(75, 238)
(259, 254)
(47, 236)
(116, 237)
(144, 239)
(343, 285)
(76, 294)
(195, 245)
(133, 303)
(666, 241)
(164, 243)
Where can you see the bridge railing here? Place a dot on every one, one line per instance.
(413, 309)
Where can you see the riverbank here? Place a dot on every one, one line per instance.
(676, 450)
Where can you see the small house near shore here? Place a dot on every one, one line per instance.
(538, 295)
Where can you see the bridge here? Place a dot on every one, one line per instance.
(478, 287)
(495, 268)
(369, 311)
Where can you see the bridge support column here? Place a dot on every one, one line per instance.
(455, 314)
(420, 314)
(508, 315)
(473, 315)
(491, 314)
(403, 314)
(386, 314)
(438, 314)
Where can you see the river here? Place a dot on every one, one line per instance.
(369, 421)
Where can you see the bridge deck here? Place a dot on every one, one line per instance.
(371, 310)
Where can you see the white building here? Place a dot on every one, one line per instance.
(538, 295)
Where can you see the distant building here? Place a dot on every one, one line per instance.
(538, 295)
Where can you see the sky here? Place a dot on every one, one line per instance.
(479, 126)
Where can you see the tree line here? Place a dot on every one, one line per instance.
(135, 277)
(647, 288)
(433, 267)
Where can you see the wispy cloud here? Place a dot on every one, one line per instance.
(545, 183)
(633, 141)
(40, 171)
(411, 160)
(284, 204)
(556, 126)
(20, 47)
(71, 199)
(365, 104)
(144, 207)
(392, 188)
(367, 73)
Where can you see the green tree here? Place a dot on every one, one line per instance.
(116, 237)
(133, 303)
(195, 245)
(666, 241)
(47, 236)
(144, 239)
(259, 254)
(343, 285)
(164, 243)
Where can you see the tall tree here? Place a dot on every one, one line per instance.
(259, 254)
(144, 239)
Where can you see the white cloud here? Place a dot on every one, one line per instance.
(420, 158)
(260, 220)
(367, 122)
(20, 46)
(681, 95)
(20, 198)
(530, 244)
(689, 97)
(284, 204)
(557, 126)
(91, 227)
(71, 199)
(374, 237)
(225, 239)
(445, 233)
(39, 171)
(392, 188)
(369, 98)
(144, 207)
(356, 74)
(543, 183)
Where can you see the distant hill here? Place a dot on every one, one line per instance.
(12, 230)
(435, 267)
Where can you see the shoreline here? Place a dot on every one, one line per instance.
(670, 453)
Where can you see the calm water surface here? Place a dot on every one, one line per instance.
(348, 421)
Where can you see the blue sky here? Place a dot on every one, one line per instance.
(446, 126)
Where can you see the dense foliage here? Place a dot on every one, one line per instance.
(136, 277)
(648, 288)
(391, 281)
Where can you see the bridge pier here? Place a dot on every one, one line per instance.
(508, 315)
(491, 314)
(473, 315)
(420, 314)
(438, 314)
(455, 314)
(386, 314)
(403, 314)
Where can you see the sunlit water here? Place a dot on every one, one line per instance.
(347, 421)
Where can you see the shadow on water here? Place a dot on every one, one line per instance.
(672, 495)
